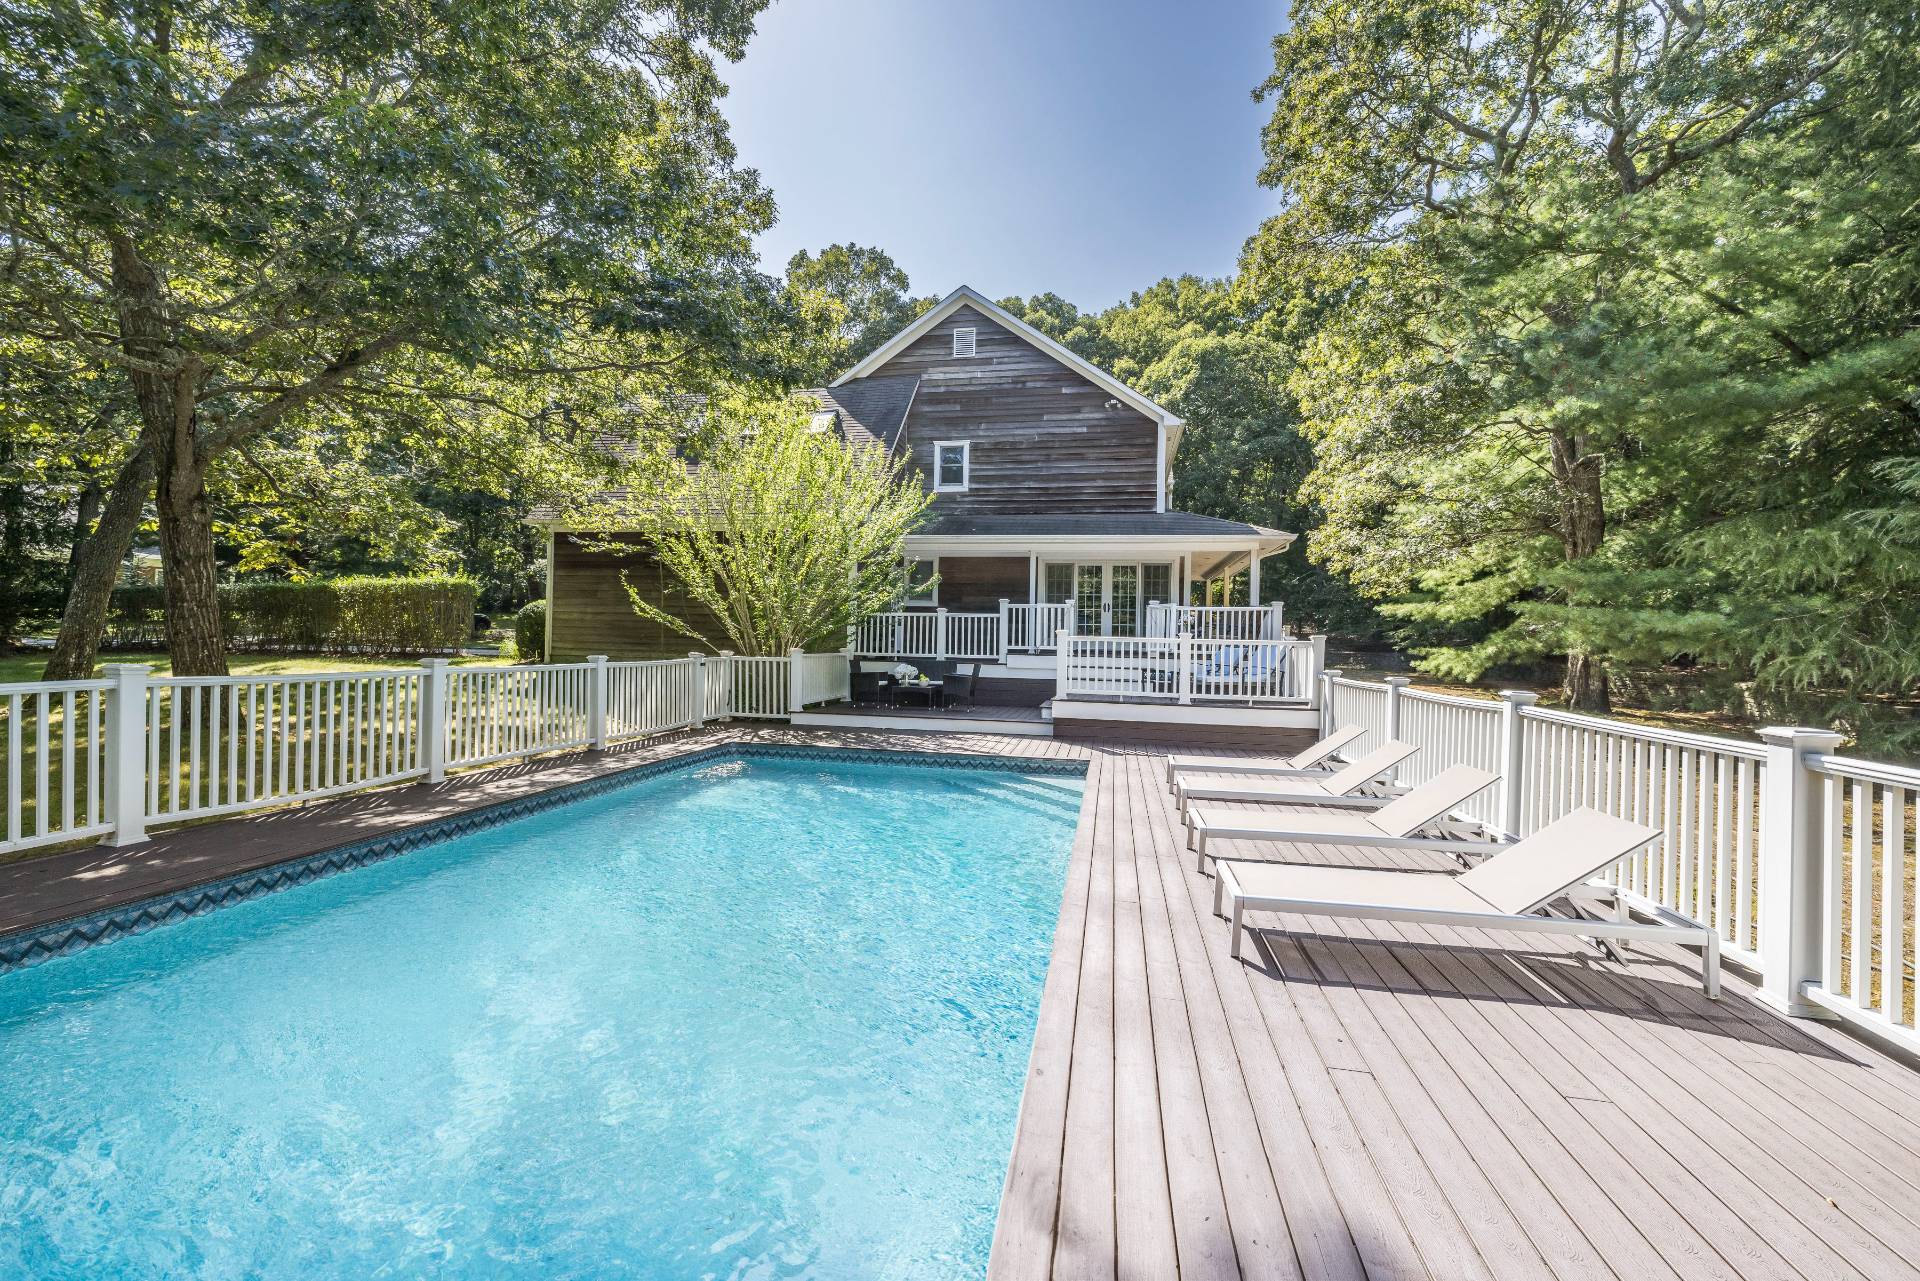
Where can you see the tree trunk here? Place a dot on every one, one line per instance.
(14, 572)
(96, 564)
(166, 385)
(1583, 527)
(86, 511)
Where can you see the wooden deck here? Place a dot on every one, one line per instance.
(1356, 1100)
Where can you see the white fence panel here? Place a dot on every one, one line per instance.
(824, 678)
(494, 713)
(1452, 731)
(757, 687)
(54, 765)
(221, 744)
(1868, 858)
(1364, 704)
(651, 697)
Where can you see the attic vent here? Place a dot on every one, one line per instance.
(963, 343)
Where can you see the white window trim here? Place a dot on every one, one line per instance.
(966, 466)
(932, 598)
(973, 342)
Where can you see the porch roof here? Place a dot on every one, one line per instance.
(1136, 525)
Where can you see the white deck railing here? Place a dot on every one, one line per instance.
(1185, 670)
(1867, 851)
(1214, 622)
(109, 757)
(1033, 629)
(931, 633)
(1801, 860)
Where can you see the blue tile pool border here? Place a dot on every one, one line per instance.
(36, 943)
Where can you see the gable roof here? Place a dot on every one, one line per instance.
(967, 296)
(873, 407)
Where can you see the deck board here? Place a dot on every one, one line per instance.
(1355, 1100)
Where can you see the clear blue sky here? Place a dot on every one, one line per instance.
(1078, 146)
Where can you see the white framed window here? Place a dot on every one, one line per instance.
(819, 424)
(963, 342)
(921, 576)
(952, 465)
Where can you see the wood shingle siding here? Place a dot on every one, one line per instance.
(592, 614)
(977, 584)
(1042, 436)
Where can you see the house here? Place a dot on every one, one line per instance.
(1050, 515)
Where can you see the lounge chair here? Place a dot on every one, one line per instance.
(1395, 824)
(1342, 787)
(1307, 762)
(1506, 892)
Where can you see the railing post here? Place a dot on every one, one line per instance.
(1006, 639)
(1062, 641)
(1394, 685)
(1316, 661)
(597, 701)
(1184, 653)
(1328, 717)
(721, 666)
(1512, 703)
(940, 645)
(796, 674)
(699, 688)
(433, 718)
(126, 791)
(1792, 909)
(1153, 619)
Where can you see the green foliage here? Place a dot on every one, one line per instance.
(334, 616)
(317, 252)
(1611, 348)
(846, 301)
(530, 632)
(787, 536)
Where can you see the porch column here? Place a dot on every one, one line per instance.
(1253, 575)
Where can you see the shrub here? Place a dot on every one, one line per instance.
(530, 632)
(342, 615)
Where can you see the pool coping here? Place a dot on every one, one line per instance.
(35, 944)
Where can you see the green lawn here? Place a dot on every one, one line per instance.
(26, 666)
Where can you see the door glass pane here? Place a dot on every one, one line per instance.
(1059, 585)
(1126, 600)
(1156, 584)
(1086, 600)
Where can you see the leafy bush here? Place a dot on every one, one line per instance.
(336, 616)
(530, 632)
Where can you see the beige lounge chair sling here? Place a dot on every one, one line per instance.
(1307, 762)
(1342, 787)
(1393, 824)
(1506, 892)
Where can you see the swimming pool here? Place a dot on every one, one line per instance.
(759, 1017)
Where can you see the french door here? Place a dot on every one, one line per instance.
(1108, 598)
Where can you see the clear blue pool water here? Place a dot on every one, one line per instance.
(760, 1019)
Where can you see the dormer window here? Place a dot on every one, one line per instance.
(963, 343)
(952, 465)
(823, 422)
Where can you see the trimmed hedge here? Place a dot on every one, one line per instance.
(328, 616)
(530, 632)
